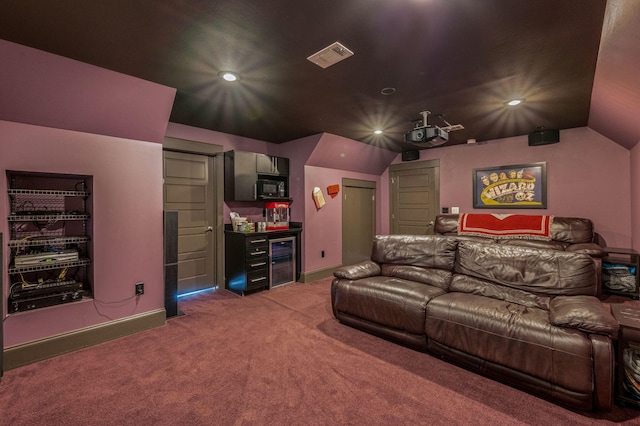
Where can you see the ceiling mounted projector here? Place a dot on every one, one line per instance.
(428, 136)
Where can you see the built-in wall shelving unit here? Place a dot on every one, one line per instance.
(50, 239)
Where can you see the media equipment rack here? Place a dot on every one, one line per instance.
(49, 245)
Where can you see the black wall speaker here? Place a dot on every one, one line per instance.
(410, 155)
(171, 263)
(544, 137)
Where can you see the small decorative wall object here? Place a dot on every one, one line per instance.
(333, 190)
(519, 186)
(318, 197)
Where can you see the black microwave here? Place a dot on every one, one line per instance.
(269, 188)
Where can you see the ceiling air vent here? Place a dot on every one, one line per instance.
(330, 55)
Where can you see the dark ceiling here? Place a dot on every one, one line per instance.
(460, 58)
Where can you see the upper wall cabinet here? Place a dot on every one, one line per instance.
(240, 176)
(269, 165)
(242, 170)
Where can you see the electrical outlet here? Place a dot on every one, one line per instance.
(455, 210)
(139, 289)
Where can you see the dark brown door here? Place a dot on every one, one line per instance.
(188, 189)
(358, 220)
(414, 197)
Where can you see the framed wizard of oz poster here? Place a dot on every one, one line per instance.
(519, 186)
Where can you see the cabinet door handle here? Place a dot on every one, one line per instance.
(258, 241)
(253, 265)
(256, 253)
(258, 279)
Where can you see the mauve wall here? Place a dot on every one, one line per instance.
(635, 196)
(228, 143)
(334, 158)
(314, 161)
(49, 93)
(588, 176)
(53, 91)
(323, 227)
(127, 223)
(298, 152)
(340, 153)
(615, 98)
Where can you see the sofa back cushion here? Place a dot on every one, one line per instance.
(570, 230)
(467, 284)
(426, 251)
(446, 224)
(548, 272)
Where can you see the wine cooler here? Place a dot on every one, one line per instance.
(282, 265)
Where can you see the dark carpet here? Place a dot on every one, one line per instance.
(275, 358)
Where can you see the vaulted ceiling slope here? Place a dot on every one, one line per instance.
(615, 101)
(462, 59)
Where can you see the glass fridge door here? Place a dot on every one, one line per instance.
(282, 261)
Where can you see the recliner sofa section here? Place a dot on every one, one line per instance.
(522, 315)
(388, 294)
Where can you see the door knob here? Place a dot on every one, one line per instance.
(209, 229)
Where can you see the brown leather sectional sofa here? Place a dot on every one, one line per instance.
(522, 315)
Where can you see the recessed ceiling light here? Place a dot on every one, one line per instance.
(377, 132)
(229, 76)
(388, 91)
(515, 102)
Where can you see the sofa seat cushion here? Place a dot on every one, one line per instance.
(393, 302)
(435, 277)
(517, 337)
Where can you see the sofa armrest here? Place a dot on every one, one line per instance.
(585, 313)
(592, 249)
(367, 268)
(604, 372)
